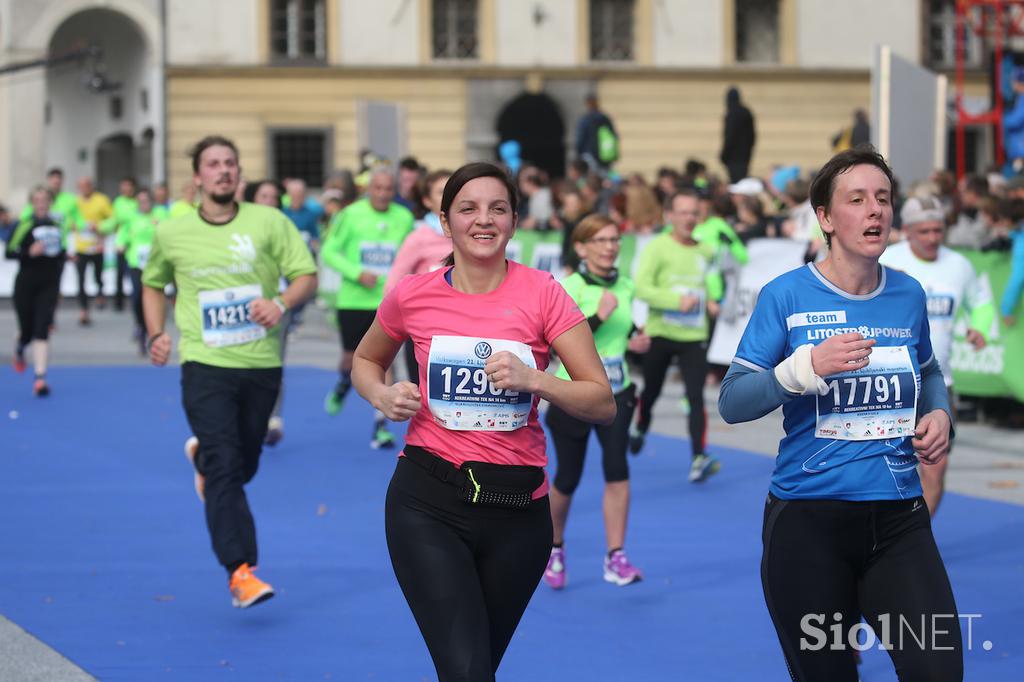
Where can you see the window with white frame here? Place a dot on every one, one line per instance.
(298, 30)
(757, 31)
(611, 30)
(940, 36)
(455, 30)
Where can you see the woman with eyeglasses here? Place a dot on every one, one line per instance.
(606, 298)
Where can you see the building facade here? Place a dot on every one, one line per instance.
(304, 85)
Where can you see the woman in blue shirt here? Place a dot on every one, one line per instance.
(843, 346)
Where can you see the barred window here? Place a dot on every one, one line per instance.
(940, 34)
(455, 32)
(757, 31)
(298, 30)
(300, 154)
(611, 30)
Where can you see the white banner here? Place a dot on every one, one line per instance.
(769, 258)
(69, 279)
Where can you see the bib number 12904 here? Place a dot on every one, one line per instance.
(468, 381)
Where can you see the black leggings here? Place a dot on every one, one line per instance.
(570, 436)
(136, 276)
(694, 365)
(467, 572)
(827, 557)
(35, 300)
(82, 261)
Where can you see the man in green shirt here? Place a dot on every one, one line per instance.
(361, 245)
(125, 207)
(226, 260)
(135, 241)
(676, 278)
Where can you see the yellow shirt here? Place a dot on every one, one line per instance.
(94, 211)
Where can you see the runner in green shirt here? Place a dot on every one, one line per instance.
(361, 245)
(64, 206)
(677, 280)
(606, 298)
(125, 207)
(135, 239)
(226, 261)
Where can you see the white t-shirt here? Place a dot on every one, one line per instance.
(950, 282)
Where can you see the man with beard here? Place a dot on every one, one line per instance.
(226, 260)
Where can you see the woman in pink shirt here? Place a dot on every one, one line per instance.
(467, 517)
(422, 251)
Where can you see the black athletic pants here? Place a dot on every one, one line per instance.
(82, 261)
(694, 365)
(228, 410)
(879, 559)
(136, 277)
(570, 436)
(122, 271)
(466, 571)
(35, 300)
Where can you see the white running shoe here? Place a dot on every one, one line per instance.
(191, 448)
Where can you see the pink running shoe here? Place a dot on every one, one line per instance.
(618, 570)
(554, 574)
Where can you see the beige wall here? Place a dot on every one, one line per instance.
(688, 33)
(382, 32)
(522, 42)
(243, 105)
(216, 33)
(665, 120)
(843, 33)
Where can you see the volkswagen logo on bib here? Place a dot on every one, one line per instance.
(483, 350)
(229, 295)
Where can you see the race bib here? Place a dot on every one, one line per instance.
(694, 318)
(461, 397)
(86, 242)
(616, 371)
(875, 402)
(142, 254)
(226, 319)
(377, 257)
(49, 237)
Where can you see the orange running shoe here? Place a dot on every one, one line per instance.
(191, 448)
(19, 361)
(40, 388)
(248, 590)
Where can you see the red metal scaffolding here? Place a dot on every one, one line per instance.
(994, 22)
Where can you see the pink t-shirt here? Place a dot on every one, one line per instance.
(422, 251)
(528, 307)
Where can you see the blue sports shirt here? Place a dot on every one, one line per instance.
(872, 406)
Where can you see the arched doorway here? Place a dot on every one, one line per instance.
(115, 159)
(535, 122)
(97, 107)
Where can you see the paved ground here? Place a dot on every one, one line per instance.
(988, 462)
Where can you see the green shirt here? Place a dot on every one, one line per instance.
(716, 232)
(180, 208)
(218, 270)
(667, 271)
(125, 208)
(136, 237)
(612, 336)
(364, 239)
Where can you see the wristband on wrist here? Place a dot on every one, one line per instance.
(151, 339)
(282, 306)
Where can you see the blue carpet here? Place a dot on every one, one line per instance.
(104, 555)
